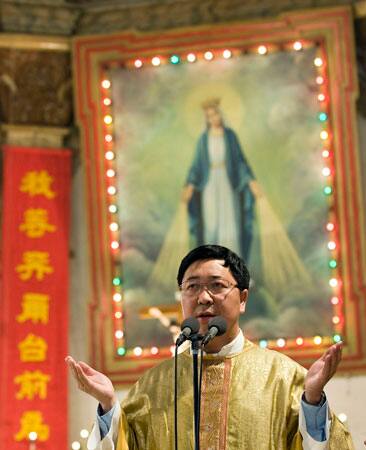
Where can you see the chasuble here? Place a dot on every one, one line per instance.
(250, 400)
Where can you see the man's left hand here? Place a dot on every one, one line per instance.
(321, 372)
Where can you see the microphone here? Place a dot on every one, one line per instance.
(216, 327)
(189, 326)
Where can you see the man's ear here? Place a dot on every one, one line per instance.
(243, 300)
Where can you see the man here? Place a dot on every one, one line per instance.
(252, 398)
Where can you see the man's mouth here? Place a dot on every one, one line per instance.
(205, 314)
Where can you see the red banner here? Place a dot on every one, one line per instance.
(34, 298)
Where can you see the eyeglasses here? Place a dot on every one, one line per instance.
(218, 287)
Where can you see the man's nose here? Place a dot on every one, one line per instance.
(204, 298)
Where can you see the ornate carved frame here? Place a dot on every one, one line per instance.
(332, 30)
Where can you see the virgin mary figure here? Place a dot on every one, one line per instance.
(220, 189)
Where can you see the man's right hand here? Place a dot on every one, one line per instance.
(93, 383)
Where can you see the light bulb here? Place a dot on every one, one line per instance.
(117, 297)
(108, 119)
(109, 155)
(226, 54)
(84, 433)
(191, 57)
(33, 436)
(175, 59)
(333, 282)
(324, 135)
(119, 334)
(114, 245)
(208, 56)
(106, 84)
(299, 340)
(262, 50)
(121, 351)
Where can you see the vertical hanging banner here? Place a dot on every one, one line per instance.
(34, 298)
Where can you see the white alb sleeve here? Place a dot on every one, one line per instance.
(110, 440)
(308, 443)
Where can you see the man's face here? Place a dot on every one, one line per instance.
(204, 305)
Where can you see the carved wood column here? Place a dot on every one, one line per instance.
(36, 105)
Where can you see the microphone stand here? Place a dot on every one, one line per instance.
(196, 340)
(196, 345)
(217, 326)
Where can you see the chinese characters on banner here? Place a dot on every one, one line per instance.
(34, 298)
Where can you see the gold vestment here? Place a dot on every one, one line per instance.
(250, 400)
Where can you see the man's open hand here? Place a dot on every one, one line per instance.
(321, 372)
(93, 383)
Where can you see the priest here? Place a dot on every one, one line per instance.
(252, 398)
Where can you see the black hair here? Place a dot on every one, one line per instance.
(231, 260)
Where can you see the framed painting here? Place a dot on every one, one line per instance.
(241, 135)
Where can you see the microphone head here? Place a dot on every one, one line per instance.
(191, 323)
(219, 323)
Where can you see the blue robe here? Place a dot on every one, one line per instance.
(239, 174)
